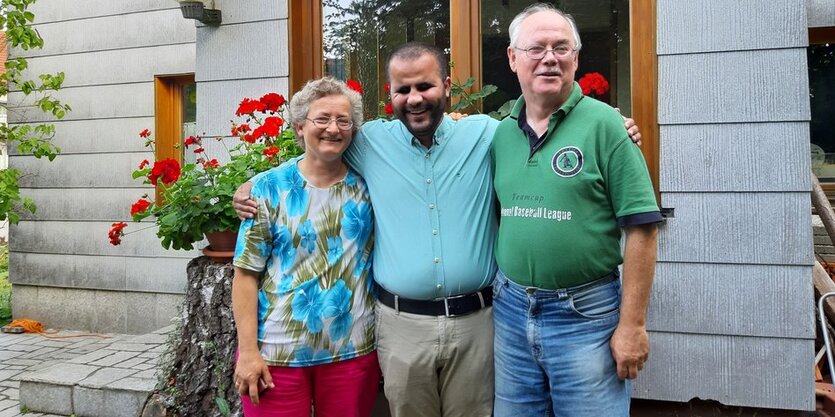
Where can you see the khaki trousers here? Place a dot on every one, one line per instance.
(436, 366)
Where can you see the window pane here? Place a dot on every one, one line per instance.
(822, 96)
(188, 103)
(604, 33)
(359, 34)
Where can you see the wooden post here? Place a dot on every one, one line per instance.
(823, 208)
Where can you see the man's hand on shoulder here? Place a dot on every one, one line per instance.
(630, 348)
(631, 128)
(243, 203)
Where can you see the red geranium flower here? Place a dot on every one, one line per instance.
(354, 85)
(139, 206)
(594, 82)
(271, 151)
(240, 129)
(388, 108)
(272, 101)
(248, 138)
(198, 150)
(271, 127)
(211, 164)
(167, 170)
(249, 106)
(191, 140)
(145, 133)
(115, 234)
(143, 164)
(387, 87)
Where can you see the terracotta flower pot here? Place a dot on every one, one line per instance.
(221, 245)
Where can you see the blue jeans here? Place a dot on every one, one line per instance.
(552, 354)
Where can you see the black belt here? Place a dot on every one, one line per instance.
(458, 305)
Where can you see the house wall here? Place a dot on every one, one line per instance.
(821, 13)
(63, 270)
(246, 56)
(731, 311)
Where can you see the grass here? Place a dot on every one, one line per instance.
(5, 287)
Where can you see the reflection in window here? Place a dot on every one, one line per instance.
(604, 32)
(188, 98)
(359, 34)
(821, 60)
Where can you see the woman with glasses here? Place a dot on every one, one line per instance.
(300, 292)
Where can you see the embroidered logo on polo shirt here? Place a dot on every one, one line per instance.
(567, 162)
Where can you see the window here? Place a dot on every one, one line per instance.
(821, 59)
(356, 36)
(175, 114)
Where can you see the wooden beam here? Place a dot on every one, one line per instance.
(644, 69)
(821, 35)
(465, 41)
(305, 42)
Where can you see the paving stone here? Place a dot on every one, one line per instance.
(54, 343)
(84, 349)
(148, 373)
(6, 355)
(107, 403)
(145, 365)
(46, 397)
(105, 376)
(60, 374)
(91, 357)
(149, 355)
(134, 383)
(21, 347)
(131, 347)
(40, 352)
(7, 374)
(151, 339)
(11, 383)
(13, 412)
(22, 362)
(12, 393)
(130, 363)
(5, 404)
(114, 358)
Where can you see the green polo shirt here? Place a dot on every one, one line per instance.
(564, 198)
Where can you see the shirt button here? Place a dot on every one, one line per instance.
(436, 260)
(435, 232)
(432, 205)
(429, 180)
(426, 156)
(439, 286)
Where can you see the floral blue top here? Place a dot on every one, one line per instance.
(313, 248)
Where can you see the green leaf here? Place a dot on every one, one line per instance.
(222, 406)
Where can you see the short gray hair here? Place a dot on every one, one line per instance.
(513, 30)
(323, 87)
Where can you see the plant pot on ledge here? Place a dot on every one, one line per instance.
(221, 247)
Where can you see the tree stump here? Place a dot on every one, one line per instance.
(196, 375)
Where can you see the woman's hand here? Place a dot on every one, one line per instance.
(252, 375)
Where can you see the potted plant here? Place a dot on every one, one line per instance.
(195, 200)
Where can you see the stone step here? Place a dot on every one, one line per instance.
(115, 380)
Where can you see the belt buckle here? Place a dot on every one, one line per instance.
(446, 303)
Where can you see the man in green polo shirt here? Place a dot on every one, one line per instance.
(568, 337)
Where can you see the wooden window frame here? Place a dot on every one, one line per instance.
(817, 36)
(168, 116)
(465, 51)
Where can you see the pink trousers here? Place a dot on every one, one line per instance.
(341, 389)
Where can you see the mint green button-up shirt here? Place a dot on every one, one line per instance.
(435, 226)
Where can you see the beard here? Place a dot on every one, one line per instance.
(431, 119)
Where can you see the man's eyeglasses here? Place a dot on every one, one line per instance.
(538, 52)
(324, 122)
